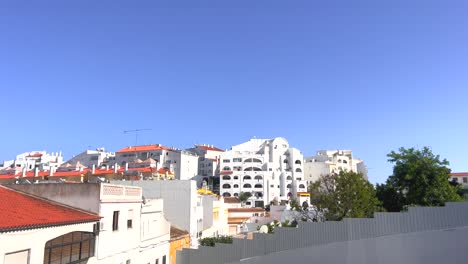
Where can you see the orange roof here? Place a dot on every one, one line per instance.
(209, 148)
(231, 200)
(143, 148)
(459, 174)
(226, 172)
(237, 220)
(245, 210)
(164, 170)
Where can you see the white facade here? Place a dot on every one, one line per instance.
(182, 163)
(332, 161)
(460, 177)
(28, 161)
(96, 157)
(268, 169)
(131, 229)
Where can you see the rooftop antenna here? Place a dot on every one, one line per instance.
(136, 133)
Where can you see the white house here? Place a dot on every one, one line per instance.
(332, 161)
(34, 230)
(268, 169)
(132, 230)
(28, 161)
(460, 177)
(96, 157)
(182, 163)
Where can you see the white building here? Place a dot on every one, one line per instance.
(332, 161)
(182, 163)
(208, 165)
(460, 177)
(268, 169)
(28, 161)
(96, 157)
(132, 230)
(34, 230)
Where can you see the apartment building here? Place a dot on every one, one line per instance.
(99, 157)
(131, 230)
(28, 161)
(332, 161)
(182, 163)
(208, 166)
(267, 169)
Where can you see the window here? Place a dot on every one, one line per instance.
(128, 261)
(226, 160)
(247, 185)
(157, 261)
(298, 170)
(236, 185)
(226, 177)
(258, 186)
(227, 168)
(288, 186)
(301, 186)
(465, 180)
(74, 247)
(237, 160)
(226, 186)
(115, 221)
(236, 177)
(247, 177)
(164, 259)
(17, 257)
(130, 219)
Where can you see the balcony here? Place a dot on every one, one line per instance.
(118, 193)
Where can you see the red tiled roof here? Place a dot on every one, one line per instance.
(245, 210)
(231, 200)
(163, 171)
(459, 174)
(37, 154)
(177, 233)
(21, 211)
(210, 148)
(142, 148)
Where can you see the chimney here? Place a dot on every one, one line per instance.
(36, 172)
(126, 166)
(115, 168)
(51, 172)
(93, 169)
(107, 167)
(23, 173)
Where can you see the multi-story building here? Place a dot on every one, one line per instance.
(96, 157)
(182, 163)
(28, 161)
(332, 161)
(131, 230)
(460, 177)
(267, 169)
(208, 165)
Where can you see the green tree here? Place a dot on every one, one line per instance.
(419, 178)
(244, 196)
(210, 241)
(346, 194)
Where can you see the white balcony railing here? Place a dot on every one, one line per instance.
(111, 192)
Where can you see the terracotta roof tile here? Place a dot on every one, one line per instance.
(143, 148)
(177, 233)
(231, 200)
(20, 211)
(459, 174)
(210, 148)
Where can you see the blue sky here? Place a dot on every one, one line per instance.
(370, 76)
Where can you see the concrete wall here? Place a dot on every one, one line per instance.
(180, 201)
(84, 196)
(417, 219)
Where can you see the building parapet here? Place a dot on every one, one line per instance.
(115, 193)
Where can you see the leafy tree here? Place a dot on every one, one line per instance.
(419, 178)
(210, 241)
(244, 196)
(346, 194)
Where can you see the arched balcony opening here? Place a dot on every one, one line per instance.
(301, 186)
(74, 247)
(258, 186)
(226, 168)
(226, 177)
(298, 162)
(236, 177)
(236, 195)
(345, 161)
(247, 177)
(298, 170)
(339, 161)
(259, 194)
(226, 186)
(252, 169)
(250, 160)
(258, 177)
(247, 185)
(226, 194)
(288, 186)
(289, 178)
(236, 186)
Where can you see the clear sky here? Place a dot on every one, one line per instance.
(369, 76)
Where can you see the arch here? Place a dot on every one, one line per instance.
(259, 194)
(236, 177)
(258, 185)
(258, 177)
(226, 194)
(298, 162)
(248, 194)
(226, 186)
(252, 160)
(226, 168)
(285, 161)
(288, 186)
(301, 186)
(298, 170)
(235, 186)
(226, 177)
(339, 161)
(247, 185)
(252, 169)
(246, 177)
(289, 194)
(71, 248)
(236, 195)
(345, 161)
(289, 178)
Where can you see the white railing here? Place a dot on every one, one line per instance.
(111, 192)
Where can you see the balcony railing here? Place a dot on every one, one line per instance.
(111, 192)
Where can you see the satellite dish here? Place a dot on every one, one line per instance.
(263, 229)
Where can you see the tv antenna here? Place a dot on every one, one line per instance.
(136, 133)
